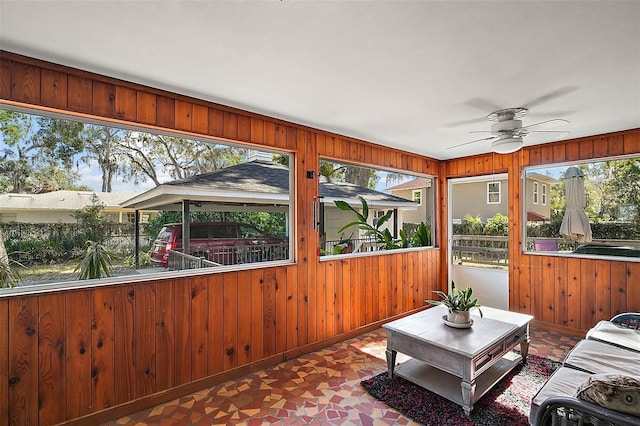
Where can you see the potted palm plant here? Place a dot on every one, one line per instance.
(458, 303)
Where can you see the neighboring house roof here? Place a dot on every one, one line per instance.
(420, 182)
(332, 191)
(543, 178)
(60, 200)
(535, 217)
(254, 183)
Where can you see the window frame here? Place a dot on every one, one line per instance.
(169, 274)
(417, 192)
(489, 193)
(535, 193)
(431, 220)
(543, 193)
(537, 169)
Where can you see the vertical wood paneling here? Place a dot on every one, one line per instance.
(25, 83)
(53, 90)
(199, 328)
(5, 81)
(257, 318)
(548, 285)
(144, 331)
(244, 128)
(321, 297)
(339, 295)
(80, 96)
(200, 119)
(23, 361)
(574, 293)
(330, 285)
(125, 341)
(216, 120)
(78, 346)
(587, 294)
(244, 317)
(103, 99)
(165, 335)
(126, 103)
(216, 319)
(619, 294)
(603, 289)
(165, 112)
(561, 307)
(269, 312)
(183, 115)
(182, 297)
(291, 323)
(230, 125)
(281, 309)
(51, 360)
(146, 107)
(230, 324)
(103, 350)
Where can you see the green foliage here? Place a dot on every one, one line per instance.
(9, 275)
(497, 225)
(273, 223)
(96, 263)
(471, 225)
(382, 236)
(92, 220)
(144, 260)
(457, 300)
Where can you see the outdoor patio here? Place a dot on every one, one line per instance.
(322, 387)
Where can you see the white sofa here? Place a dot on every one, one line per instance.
(611, 351)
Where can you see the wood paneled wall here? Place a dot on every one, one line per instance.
(561, 291)
(98, 353)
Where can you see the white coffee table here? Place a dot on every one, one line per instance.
(458, 364)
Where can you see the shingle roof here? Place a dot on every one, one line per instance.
(60, 200)
(419, 182)
(257, 177)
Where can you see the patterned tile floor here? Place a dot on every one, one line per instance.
(320, 388)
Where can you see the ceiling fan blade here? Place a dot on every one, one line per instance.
(481, 131)
(549, 96)
(546, 124)
(483, 105)
(465, 122)
(477, 140)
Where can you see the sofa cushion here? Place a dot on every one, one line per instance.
(612, 391)
(607, 332)
(563, 382)
(597, 357)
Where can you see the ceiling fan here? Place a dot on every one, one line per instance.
(507, 132)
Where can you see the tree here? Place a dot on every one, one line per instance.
(148, 156)
(361, 176)
(101, 145)
(37, 152)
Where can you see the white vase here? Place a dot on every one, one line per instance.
(459, 317)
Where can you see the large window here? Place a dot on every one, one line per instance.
(590, 208)
(363, 209)
(69, 188)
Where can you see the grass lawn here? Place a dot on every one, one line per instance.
(60, 272)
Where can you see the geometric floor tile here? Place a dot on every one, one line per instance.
(319, 388)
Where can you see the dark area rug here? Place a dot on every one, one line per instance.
(506, 404)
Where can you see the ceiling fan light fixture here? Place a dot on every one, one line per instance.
(507, 145)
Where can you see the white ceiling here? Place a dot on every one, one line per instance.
(414, 75)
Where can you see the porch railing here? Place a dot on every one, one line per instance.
(228, 255)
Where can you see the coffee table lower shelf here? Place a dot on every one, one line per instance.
(450, 386)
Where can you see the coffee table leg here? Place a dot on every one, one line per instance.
(524, 349)
(391, 361)
(468, 392)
